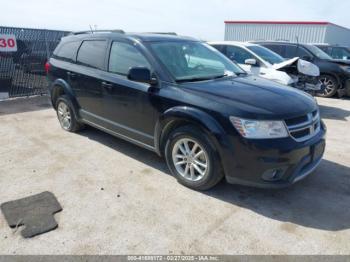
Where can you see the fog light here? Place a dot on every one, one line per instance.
(273, 174)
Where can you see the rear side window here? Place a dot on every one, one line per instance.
(92, 53)
(124, 56)
(67, 51)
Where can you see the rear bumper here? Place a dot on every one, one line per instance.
(283, 163)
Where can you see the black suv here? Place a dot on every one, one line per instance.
(184, 100)
(335, 74)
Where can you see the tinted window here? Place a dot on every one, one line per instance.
(237, 54)
(124, 56)
(92, 53)
(290, 51)
(279, 49)
(221, 48)
(67, 51)
(340, 53)
(266, 54)
(302, 52)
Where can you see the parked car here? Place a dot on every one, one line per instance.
(33, 59)
(184, 100)
(335, 51)
(7, 70)
(261, 61)
(335, 74)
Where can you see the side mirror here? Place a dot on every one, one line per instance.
(251, 62)
(141, 74)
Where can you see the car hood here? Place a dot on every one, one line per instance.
(253, 97)
(339, 61)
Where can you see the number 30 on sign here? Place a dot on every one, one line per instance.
(8, 43)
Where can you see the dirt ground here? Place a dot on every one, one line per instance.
(120, 199)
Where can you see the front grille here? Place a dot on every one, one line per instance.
(304, 127)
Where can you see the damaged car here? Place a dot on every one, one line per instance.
(335, 74)
(260, 61)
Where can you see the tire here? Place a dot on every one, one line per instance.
(66, 115)
(331, 85)
(188, 173)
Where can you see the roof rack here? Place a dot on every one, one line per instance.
(98, 31)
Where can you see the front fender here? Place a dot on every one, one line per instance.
(193, 116)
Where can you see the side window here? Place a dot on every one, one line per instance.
(92, 53)
(238, 54)
(279, 49)
(220, 48)
(290, 51)
(67, 51)
(123, 56)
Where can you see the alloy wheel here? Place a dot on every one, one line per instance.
(328, 84)
(64, 115)
(190, 159)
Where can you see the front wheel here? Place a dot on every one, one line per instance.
(192, 159)
(330, 85)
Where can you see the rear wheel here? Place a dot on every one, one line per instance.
(66, 116)
(331, 85)
(191, 158)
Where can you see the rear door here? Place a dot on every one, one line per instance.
(87, 79)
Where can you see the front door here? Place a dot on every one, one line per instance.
(127, 105)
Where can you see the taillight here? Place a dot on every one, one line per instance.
(47, 67)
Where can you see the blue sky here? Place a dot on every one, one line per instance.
(199, 18)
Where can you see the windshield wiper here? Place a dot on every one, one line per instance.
(195, 79)
(241, 73)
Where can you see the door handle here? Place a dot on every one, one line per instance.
(107, 85)
(70, 74)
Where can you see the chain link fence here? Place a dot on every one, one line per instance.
(22, 72)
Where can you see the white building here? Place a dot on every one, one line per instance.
(304, 32)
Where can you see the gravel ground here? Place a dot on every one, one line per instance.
(120, 199)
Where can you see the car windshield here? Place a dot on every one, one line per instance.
(266, 54)
(341, 53)
(194, 61)
(317, 52)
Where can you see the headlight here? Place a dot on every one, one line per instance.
(255, 129)
(346, 68)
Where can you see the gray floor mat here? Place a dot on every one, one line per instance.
(34, 212)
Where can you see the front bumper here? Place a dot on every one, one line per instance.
(288, 160)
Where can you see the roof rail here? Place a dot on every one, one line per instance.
(162, 33)
(98, 31)
(282, 40)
